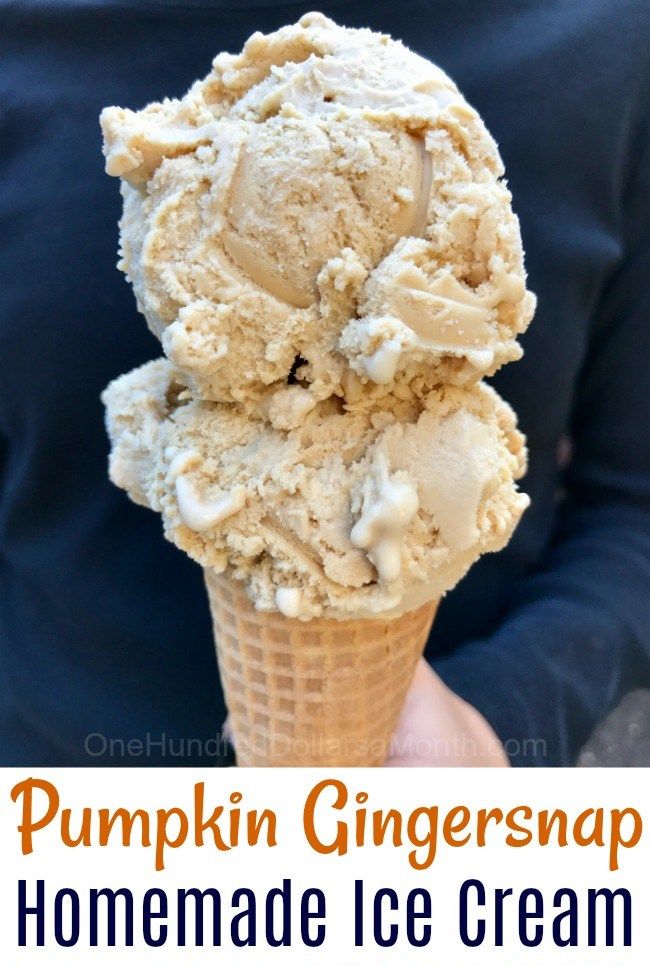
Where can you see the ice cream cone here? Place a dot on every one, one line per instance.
(310, 693)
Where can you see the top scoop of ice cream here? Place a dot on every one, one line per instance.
(325, 196)
(357, 513)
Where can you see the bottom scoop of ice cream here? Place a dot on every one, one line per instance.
(364, 510)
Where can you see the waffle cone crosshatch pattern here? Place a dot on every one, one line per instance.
(313, 692)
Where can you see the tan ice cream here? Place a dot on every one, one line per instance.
(325, 199)
(364, 512)
(319, 235)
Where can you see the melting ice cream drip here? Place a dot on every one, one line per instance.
(389, 506)
(197, 513)
(382, 364)
(444, 314)
(288, 600)
(418, 228)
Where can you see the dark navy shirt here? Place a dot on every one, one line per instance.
(104, 629)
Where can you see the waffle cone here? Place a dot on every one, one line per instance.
(304, 694)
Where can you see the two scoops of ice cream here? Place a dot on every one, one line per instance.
(319, 234)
